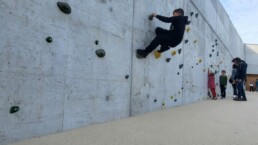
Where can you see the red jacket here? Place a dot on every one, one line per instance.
(211, 81)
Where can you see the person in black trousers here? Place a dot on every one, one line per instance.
(240, 78)
(223, 79)
(166, 38)
(232, 80)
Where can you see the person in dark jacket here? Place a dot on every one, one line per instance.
(223, 79)
(232, 80)
(240, 78)
(166, 38)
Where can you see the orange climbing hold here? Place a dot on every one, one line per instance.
(157, 54)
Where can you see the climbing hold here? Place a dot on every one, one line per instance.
(182, 88)
(195, 41)
(172, 97)
(111, 9)
(14, 109)
(178, 73)
(191, 14)
(168, 59)
(188, 23)
(148, 96)
(163, 104)
(150, 17)
(175, 100)
(216, 71)
(181, 66)
(204, 70)
(197, 63)
(179, 51)
(216, 40)
(100, 53)
(211, 66)
(192, 66)
(127, 76)
(157, 54)
(196, 15)
(64, 7)
(213, 46)
(217, 53)
(213, 50)
(97, 42)
(49, 39)
(186, 82)
(155, 100)
(187, 29)
(179, 92)
(200, 60)
(107, 98)
(173, 53)
(216, 44)
(186, 41)
(217, 84)
(210, 55)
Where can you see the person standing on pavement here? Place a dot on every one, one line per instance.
(223, 79)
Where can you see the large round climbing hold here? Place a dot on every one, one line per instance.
(14, 109)
(100, 53)
(49, 39)
(64, 7)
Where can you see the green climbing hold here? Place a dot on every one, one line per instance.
(163, 104)
(100, 53)
(49, 39)
(14, 109)
(64, 7)
(181, 66)
(172, 97)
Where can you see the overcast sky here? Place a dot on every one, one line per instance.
(244, 15)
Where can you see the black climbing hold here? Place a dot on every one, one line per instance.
(216, 71)
(64, 7)
(216, 40)
(217, 84)
(178, 73)
(97, 42)
(100, 53)
(148, 96)
(179, 51)
(216, 44)
(210, 55)
(155, 100)
(196, 15)
(182, 88)
(127, 76)
(197, 63)
(111, 9)
(181, 66)
(175, 100)
(191, 14)
(14, 109)
(213, 50)
(217, 53)
(150, 17)
(211, 66)
(49, 39)
(107, 98)
(168, 59)
(186, 41)
(213, 46)
(192, 67)
(188, 23)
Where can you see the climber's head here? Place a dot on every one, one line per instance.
(178, 12)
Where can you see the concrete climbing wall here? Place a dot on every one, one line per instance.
(63, 84)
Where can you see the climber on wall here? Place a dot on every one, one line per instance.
(166, 38)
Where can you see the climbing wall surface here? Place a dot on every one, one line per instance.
(64, 70)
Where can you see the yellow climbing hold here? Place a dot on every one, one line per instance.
(187, 29)
(157, 54)
(173, 53)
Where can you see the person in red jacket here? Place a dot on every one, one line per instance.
(211, 84)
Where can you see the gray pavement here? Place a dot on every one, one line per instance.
(220, 122)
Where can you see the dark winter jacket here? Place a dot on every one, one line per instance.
(241, 70)
(177, 27)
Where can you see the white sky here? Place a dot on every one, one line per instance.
(244, 15)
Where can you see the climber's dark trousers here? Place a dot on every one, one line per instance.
(163, 38)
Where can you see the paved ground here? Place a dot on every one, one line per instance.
(221, 122)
